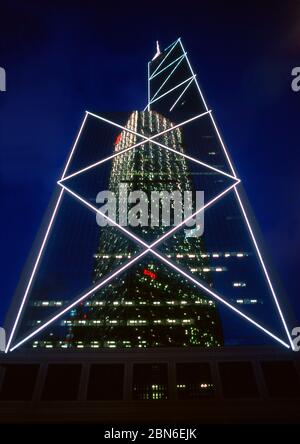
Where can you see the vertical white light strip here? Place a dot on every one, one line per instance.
(41, 250)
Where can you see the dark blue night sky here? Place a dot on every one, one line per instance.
(64, 57)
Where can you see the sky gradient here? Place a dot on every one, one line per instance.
(62, 58)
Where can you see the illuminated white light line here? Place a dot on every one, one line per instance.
(170, 64)
(152, 140)
(82, 298)
(165, 260)
(249, 319)
(265, 270)
(129, 234)
(167, 55)
(208, 204)
(171, 73)
(148, 249)
(254, 239)
(33, 271)
(172, 89)
(167, 234)
(181, 124)
(93, 165)
(190, 66)
(247, 221)
(211, 116)
(74, 146)
(112, 123)
(177, 100)
(171, 45)
(193, 159)
(214, 295)
(223, 145)
(41, 250)
(131, 147)
(136, 238)
(244, 212)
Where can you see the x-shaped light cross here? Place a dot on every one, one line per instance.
(148, 248)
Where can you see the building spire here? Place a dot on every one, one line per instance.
(157, 50)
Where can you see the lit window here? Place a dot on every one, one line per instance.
(239, 284)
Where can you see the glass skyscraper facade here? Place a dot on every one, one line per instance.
(150, 305)
(205, 291)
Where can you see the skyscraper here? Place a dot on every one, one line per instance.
(150, 286)
(150, 305)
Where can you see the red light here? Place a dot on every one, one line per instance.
(118, 139)
(150, 274)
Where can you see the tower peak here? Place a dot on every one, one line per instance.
(157, 50)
